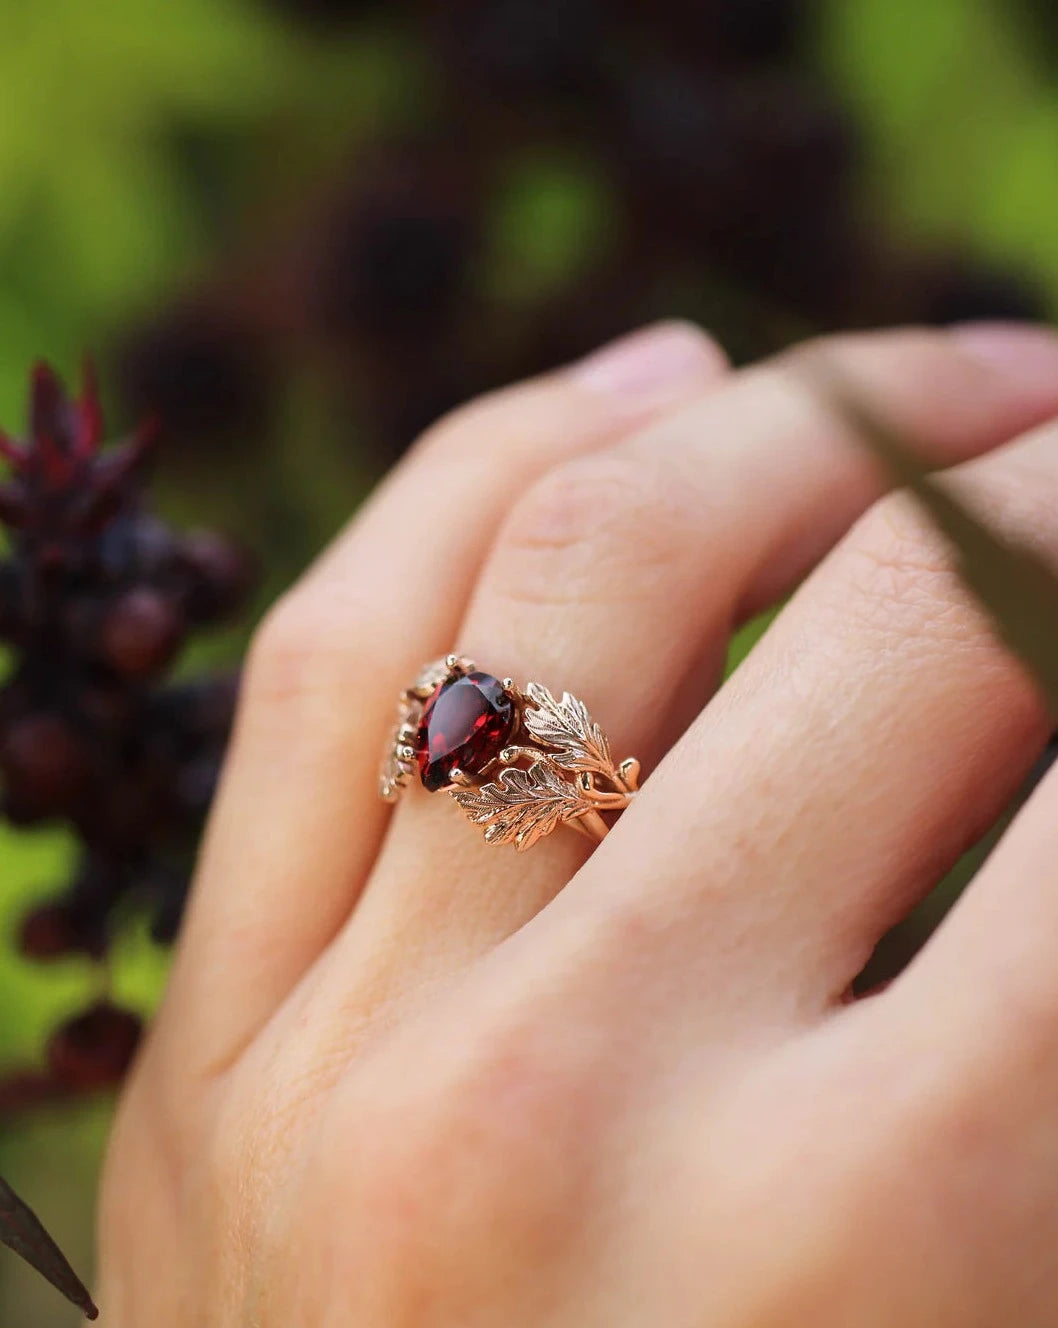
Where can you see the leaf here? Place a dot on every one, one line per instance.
(22, 1231)
(1013, 583)
(522, 806)
(565, 725)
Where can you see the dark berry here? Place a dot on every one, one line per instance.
(45, 762)
(93, 1050)
(141, 633)
(49, 931)
(218, 574)
(137, 545)
(75, 924)
(106, 704)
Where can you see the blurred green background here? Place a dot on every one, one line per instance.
(299, 231)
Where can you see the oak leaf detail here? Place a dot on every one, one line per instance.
(521, 806)
(578, 743)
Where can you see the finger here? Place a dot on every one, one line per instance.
(873, 735)
(618, 578)
(297, 821)
(991, 963)
(977, 1013)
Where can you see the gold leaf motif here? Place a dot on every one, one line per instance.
(522, 806)
(566, 725)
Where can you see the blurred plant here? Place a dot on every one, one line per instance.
(172, 115)
(97, 597)
(565, 170)
(22, 1231)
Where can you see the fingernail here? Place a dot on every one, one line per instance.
(653, 365)
(1023, 351)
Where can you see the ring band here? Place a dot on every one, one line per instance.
(519, 762)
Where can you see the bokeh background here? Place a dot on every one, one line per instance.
(299, 230)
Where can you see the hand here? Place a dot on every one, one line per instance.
(404, 1078)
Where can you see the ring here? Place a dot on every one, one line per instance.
(519, 762)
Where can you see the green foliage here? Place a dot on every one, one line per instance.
(32, 1000)
(103, 108)
(551, 221)
(961, 121)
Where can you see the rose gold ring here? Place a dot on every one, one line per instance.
(519, 762)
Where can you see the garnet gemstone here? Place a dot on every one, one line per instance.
(465, 724)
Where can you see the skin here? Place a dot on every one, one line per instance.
(402, 1078)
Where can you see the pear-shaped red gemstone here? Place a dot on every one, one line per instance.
(465, 725)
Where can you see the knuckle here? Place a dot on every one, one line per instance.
(890, 1198)
(465, 425)
(967, 1126)
(280, 640)
(1015, 491)
(469, 1169)
(573, 501)
(895, 536)
(449, 432)
(1016, 1037)
(585, 521)
(488, 1140)
(843, 1193)
(292, 652)
(856, 350)
(901, 573)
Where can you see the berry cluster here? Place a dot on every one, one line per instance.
(97, 597)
